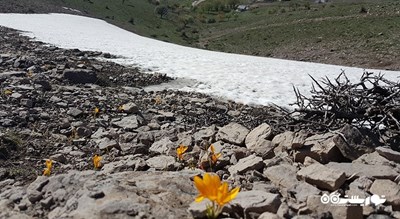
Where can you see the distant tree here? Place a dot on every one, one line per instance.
(132, 21)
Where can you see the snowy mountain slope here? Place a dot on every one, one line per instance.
(242, 78)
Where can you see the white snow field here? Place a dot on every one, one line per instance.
(246, 79)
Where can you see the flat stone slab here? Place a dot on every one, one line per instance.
(283, 175)
(388, 154)
(359, 169)
(233, 133)
(257, 201)
(321, 176)
(251, 162)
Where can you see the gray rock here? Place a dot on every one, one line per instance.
(34, 196)
(283, 175)
(251, 162)
(283, 141)
(47, 202)
(262, 132)
(264, 148)
(74, 112)
(359, 187)
(134, 148)
(375, 159)
(162, 162)
(321, 148)
(83, 131)
(299, 139)
(389, 154)
(323, 177)
(352, 143)
(198, 209)
(314, 204)
(268, 215)
(16, 95)
(80, 76)
(127, 137)
(379, 216)
(233, 133)
(205, 134)
(371, 171)
(163, 146)
(126, 194)
(185, 138)
(129, 122)
(27, 103)
(302, 190)
(130, 108)
(107, 144)
(100, 133)
(9, 74)
(389, 189)
(59, 158)
(257, 201)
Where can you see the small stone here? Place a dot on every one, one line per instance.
(107, 144)
(207, 134)
(388, 154)
(16, 95)
(47, 203)
(74, 112)
(268, 215)
(261, 132)
(163, 146)
(162, 162)
(314, 204)
(299, 139)
(322, 176)
(27, 103)
(389, 189)
(257, 201)
(34, 196)
(352, 143)
(96, 194)
(130, 108)
(319, 147)
(80, 76)
(358, 169)
(251, 162)
(233, 133)
(283, 175)
(283, 141)
(302, 190)
(59, 158)
(129, 122)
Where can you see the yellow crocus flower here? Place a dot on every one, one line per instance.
(97, 161)
(180, 151)
(49, 165)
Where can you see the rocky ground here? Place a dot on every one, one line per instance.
(47, 111)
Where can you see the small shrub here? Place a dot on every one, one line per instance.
(363, 10)
(211, 20)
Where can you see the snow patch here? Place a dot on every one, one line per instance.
(246, 79)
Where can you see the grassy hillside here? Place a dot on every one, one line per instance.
(361, 33)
